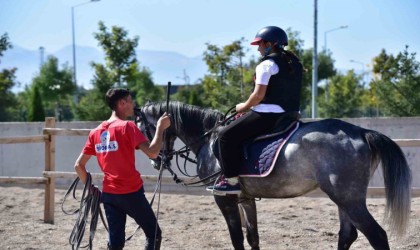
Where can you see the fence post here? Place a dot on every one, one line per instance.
(49, 166)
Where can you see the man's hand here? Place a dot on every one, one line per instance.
(164, 121)
(152, 150)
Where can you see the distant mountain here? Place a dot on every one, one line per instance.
(164, 65)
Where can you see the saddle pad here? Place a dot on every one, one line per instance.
(262, 155)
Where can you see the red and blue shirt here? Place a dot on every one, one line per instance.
(114, 143)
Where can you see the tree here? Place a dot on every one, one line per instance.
(36, 109)
(397, 83)
(92, 105)
(326, 70)
(142, 86)
(4, 44)
(7, 100)
(190, 94)
(121, 69)
(7, 82)
(325, 67)
(229, 81)
(119, 50)
(343, 98)
(295, 43)
(54, 83)
(56, 88)
(24, 99)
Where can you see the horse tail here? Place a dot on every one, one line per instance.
(397, 179)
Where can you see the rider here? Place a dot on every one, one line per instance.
(277, 88)
(113, 143)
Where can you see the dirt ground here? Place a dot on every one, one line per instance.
(193, 222)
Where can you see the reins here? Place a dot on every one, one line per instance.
(208, 179)
(184, 151)
(89, 202)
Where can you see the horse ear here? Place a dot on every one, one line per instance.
(148, 102)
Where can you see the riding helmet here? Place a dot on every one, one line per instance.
(271, 34)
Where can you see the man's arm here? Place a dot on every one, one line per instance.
(80, 166)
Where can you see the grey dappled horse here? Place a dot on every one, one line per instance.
(336, 156)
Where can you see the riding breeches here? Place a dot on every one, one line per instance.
(233, 136)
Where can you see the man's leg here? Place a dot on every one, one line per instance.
(141, 211)
(116, 218)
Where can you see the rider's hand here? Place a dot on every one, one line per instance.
(239, 115)
(164, 121)
(241, 107)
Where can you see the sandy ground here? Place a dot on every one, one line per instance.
(193, 222)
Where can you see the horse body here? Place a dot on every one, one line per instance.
(334, 155)
(303, 166)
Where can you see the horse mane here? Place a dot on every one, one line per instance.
(187, 118)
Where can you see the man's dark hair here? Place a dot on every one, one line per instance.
(114, 95)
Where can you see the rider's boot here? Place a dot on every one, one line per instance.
(226, 186)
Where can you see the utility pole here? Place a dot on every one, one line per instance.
(315, 62)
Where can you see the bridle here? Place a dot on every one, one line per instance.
(167, 154)
(139, 116)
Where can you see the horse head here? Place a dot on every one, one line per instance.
(193, 125)
(146, 119)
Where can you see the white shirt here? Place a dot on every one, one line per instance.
(263, 72)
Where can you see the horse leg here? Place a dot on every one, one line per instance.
(348, 232)
(361, 218)
(250, 215)
(229, 206)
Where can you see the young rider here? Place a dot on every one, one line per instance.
(277, 90)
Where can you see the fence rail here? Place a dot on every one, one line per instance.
(49, 174)
(23, 139)
(23, 180)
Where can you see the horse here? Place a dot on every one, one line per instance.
(337, 157)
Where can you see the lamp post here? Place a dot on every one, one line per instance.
(73, 38)
(331, 30)
(325, 51)
(315, 62)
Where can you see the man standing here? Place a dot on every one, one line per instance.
(114, 143)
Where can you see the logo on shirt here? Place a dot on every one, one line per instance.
(106, 145)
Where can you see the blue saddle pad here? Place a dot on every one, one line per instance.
(261, 155)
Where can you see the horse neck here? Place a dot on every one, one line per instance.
(191, 123)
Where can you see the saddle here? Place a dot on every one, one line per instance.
(260, 152)
(282, 125)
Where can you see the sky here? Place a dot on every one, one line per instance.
(185, 26)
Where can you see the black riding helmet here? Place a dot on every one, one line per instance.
(271, 34)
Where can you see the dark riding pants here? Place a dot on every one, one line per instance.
(135, 205)
(233, 136)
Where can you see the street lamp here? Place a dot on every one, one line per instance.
(325, 51)
(331, 30)
(73, 36)
(315, 62)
